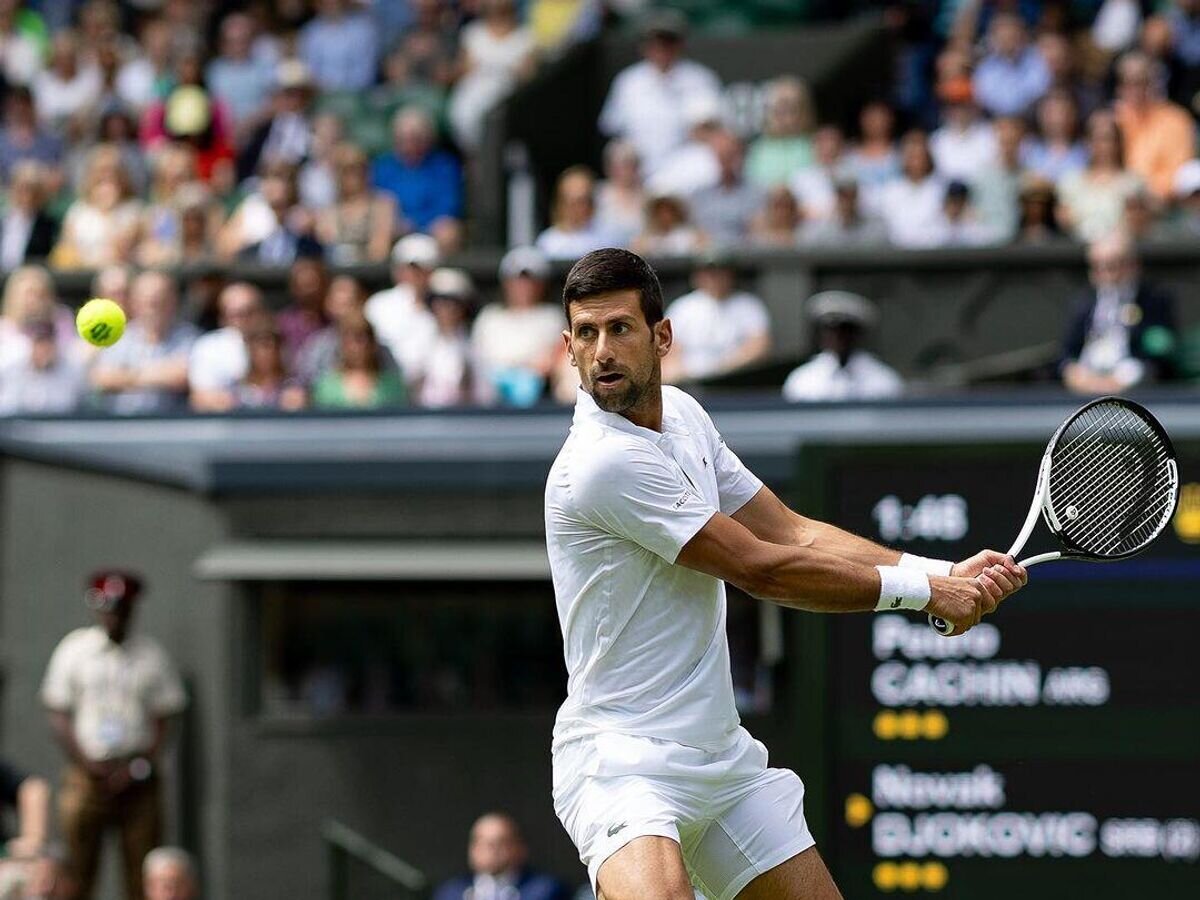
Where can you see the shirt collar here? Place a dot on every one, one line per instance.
(586, 410)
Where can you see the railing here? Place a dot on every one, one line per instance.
(344, 845)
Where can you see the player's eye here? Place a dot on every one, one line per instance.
(620, 328)
(586, 332)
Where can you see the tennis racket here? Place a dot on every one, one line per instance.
(1106, 487)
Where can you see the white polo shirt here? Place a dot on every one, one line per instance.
(644, 639)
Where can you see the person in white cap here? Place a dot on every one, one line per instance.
(445, 373)
(693, 165)
(517, 340)
(842, 370)
(400, 314)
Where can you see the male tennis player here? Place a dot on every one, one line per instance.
(647, 514)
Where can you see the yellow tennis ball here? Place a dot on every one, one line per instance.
(100, 322)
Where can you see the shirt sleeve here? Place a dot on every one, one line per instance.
(736, 484)
(58, 686)
(166, 696)
(634, 492)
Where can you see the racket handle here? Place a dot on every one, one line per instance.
(940, 625)
(944, 628)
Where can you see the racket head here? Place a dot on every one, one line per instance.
(1112, 482)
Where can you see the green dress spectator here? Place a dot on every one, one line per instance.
(357, 380)
(785, 146)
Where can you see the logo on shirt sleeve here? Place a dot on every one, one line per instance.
(682, 501)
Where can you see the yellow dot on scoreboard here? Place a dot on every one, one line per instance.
(934, 876)
(908, 876)
(886, 876)
(910, 725)
(885, 725)
(934, 724)
(858, 810)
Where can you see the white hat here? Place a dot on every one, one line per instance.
(836, 307)
(1187, 178)
(416, 250)
(524, 261)
(451, 283)
(701, 109)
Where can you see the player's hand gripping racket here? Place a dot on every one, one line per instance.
(1107, 486)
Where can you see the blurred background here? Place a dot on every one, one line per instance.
(899, 242)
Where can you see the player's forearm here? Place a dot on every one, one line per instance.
(815, 580)
(845, 545)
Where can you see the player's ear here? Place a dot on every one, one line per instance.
(570, 353)
(663, 338)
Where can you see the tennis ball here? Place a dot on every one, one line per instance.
(100, 322)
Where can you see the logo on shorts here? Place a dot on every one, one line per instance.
(613, 829)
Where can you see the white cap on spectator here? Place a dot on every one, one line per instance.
(416, 250)
(1187, 178)
(524, 261)
(702, 109)
(838, 307)
(451, 283)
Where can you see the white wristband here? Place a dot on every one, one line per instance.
(925, 564)
(901, 588)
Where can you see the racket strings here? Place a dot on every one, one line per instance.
(1110, 482)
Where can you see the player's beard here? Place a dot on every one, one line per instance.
(630, 395)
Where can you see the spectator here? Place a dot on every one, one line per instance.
(147, 370)
(286, 135)
(960, 224)
(785, 146)
(22, 52)
(28, 298)
(218, 360)
(400, 314)
(874, 160)
(162, 219)
(317, 180)
(813, 187)
(1141, 220)
(27, 232)
(841, 370)
(724, 211)
(1158, 136)
(497, 53)
(267, 384)
(340, 47)
(444, 373)
(237, 78)
(574, 230)
(189, 115)
(911, 205)
(344, 301)
(692, 166)
(358, 227)
(965, 143)
(304, 316)
(68, 87)
(101, 227)
(717, 329)
(430, 44)
(498, 860)
(291, 234)
(110, 696)
(1012, 77)
(778, 223)
(996, 187)
(646, 101)
(1116, 25)
(426, 182)
(1122, 332)
(516, 341)
(42, 380)
(848, 226)
(620, 197)
(1056, 150)
(1036, 221)
(1084, 87)
(1092, 201)
(356, 379)
(112, 282)
(23, 139)
(118, 129)
(668, 231)
(146, 76)
(169, 873)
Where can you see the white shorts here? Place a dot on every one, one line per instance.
(733, 817)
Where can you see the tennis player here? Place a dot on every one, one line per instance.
(647, 514)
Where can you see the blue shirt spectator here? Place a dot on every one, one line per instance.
(1185, 30)
(21, 138)
(426, 182)
(1013, 76)
(498, 860)
(236, 77)
(340, 47)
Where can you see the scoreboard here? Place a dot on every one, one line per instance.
(1054, 750)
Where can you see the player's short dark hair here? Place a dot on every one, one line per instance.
(608, 271)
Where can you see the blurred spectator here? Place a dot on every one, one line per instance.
(236, 77)
(668, 231)
(620, 197)
(497, 53)
(848, 226)
(358, 227)
(161, 241)
(1187, 197)
(429, 45)
(1012, 76)
(68, 87)
(996, 187)
(1183, 22)
(724, 211)
(426, 182)
(28, 298)
(189, 115)
(218, 360)
(717, 328)
(498, 860)
(1122, 332)
(1056, 150)
(874, 161)
(574, 230)
(444, 373)
(960, 225)
(785, 146)
(356, 379)
(117, 129)
(813, 187)
(291, 234)
(101, 227)
(965, 143)
(1066, 74)
(841, 370)
(344, 301)
(147, 370)
(1141, 220)
(147, 75)
(1037, 223)
(267, 383)
(692, 165)
(112, 282)
(1091, 202)
(169, 873)
(317, 180)
(1116, 25)
(516, 341)
(27, 232)
(646, 101)
(43, 379)
(911, 205)
(1159, 136)
(778, 223)
(110, 696)
(400, 314)
(340, 46)
(21, 138)
(22, 51)
(287, 133)
(304, 316)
